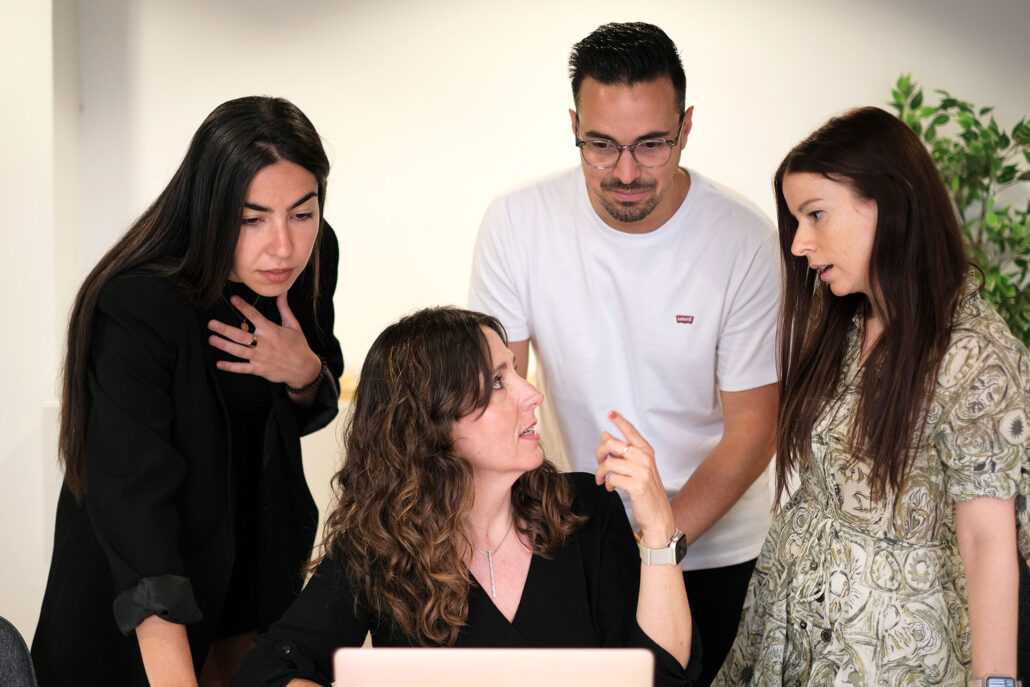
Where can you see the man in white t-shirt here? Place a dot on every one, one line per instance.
(646, 288)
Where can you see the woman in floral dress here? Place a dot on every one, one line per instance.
(902, 433)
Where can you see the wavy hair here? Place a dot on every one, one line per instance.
(188, 235)
(917, 268)
(403, 494)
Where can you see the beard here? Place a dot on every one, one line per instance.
(629, 212)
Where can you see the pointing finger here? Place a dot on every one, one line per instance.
(627, 429)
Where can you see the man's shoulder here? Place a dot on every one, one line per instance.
(554, 188)
(718, 203)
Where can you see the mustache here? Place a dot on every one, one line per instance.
(615, 185)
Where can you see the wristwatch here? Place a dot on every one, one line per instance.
(670, 554)
(995, 681)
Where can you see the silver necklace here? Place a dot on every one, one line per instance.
(490, 558)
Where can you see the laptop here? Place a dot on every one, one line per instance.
(449, 667)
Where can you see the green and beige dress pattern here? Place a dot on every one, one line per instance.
(850, 591)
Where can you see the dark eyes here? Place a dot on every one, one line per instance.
(300, 217)
(497, 384)
(601, 146)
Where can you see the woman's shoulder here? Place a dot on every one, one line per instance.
(145, 296)
(590, 497)
(981, 340)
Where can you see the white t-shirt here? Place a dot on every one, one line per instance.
(652, 325)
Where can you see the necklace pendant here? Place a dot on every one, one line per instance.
(493, 584)
(245, 326)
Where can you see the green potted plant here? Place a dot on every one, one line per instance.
(978, 161)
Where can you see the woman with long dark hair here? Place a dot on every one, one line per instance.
(200, 349)
(903, 417)
(450, 528)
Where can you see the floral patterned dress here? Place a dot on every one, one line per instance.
(850, 591)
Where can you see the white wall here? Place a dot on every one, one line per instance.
(428, 109)
(27, 345)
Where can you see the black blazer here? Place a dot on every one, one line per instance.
(155, 532)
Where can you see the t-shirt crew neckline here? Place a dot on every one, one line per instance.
(651, 237)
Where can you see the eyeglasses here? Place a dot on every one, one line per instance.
(651, 152)
(601, 153)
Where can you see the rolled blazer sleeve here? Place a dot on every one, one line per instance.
(133, 470)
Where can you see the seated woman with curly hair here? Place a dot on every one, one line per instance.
(451, 529)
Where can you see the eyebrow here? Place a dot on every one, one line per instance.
(261, 208)
(500, 368)
(801, 208)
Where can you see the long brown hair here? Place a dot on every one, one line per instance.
(403, 493)
(917, 268)
(188, 235)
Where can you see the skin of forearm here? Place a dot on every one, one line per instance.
(307, 398)
(166, 653)
(988, 551)
(719, 482)
(663, 611)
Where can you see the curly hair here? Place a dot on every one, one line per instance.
(403, 494)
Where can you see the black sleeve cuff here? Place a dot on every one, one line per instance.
(169, 597)
(325, 406)
(667, 670)
(275, 663)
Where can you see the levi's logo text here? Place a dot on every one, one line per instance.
(685, 319)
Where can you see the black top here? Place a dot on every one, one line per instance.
(156, 531)
(248, 400)
(585, 596)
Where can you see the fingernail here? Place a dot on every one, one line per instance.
(612, 414)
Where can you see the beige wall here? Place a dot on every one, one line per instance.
(428, 109)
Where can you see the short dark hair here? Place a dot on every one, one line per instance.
(627, 53)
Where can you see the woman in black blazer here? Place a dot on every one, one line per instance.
(200, 349)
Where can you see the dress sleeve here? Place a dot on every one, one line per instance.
(982, 435)
(495, 287)
(618, 584)
(300, 645)
(133, 470)
(317, 325)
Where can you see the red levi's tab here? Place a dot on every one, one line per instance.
(685, 319)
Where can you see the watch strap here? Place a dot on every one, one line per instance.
(670, 554)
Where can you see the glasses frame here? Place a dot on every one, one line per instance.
(632, 147)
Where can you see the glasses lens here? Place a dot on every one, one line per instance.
(600, 153)
(653, 152)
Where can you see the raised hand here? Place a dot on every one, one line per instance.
(279, 353)
(629, 464)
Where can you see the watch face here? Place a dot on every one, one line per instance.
(999, 682)
(681, 548)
